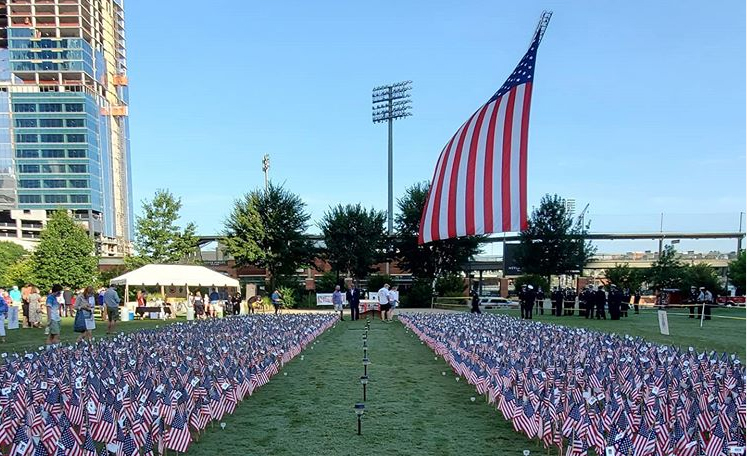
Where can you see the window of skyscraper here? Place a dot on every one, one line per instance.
(73, 107)
(78, 198)
(50, 107)
(53, 153)
(29, 183)
(24, 107)
(53, 169)
(78, 183)
(77, 168)
(27, 153)
(50, 123)
(74, 138)
(29, 199)
(55, 198)
(25, 123)
(52, 138)
(55, 183)
(31, 169)
(75, 122)
(26, 138)
(76, 153)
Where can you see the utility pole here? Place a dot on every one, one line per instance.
(739, 239)
(266, 169)
(391, 102)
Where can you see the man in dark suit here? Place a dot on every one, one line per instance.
(353, 296)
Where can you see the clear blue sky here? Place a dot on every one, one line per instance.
(638, 107)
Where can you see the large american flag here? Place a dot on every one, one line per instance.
(480, 182)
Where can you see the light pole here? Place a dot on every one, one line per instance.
(391, 102)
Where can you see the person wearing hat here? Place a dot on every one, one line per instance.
(693, 300)
(557, 301)
(600, 298)
(529, 297)
(705, 299)
(615, 302)
(586, 306)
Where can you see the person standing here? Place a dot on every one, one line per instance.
(625, 306)
(557, 302)
(199, 305)
(540, 302)
(693, 299)
(53, 315)
(84, 305)
(237, 303)
(475, 295)
(529, 298)
(353, 296)
(636, 300)
(14, 297)
(337, 301)
(600, 298)
(705, 300)
(383, 297)
(3, 316)
(615, 302)
(214, 301)
(277, 300)
(111, 305)
(68, 302)
(34, 300)
(393, 302)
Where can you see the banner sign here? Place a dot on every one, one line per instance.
(510, 265)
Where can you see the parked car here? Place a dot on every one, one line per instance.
(496, 302)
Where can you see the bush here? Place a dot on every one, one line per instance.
(326, 283)
(534, 280)
(450, 285)
(376, 281)
(419, 295)
(289, 297)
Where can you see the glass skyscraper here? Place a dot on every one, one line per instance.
(64, 139)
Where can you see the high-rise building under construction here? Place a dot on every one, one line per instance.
(64, 141)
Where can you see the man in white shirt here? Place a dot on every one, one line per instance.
(705, 298)
(384, 305)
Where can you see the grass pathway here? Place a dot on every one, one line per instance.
(411, 407)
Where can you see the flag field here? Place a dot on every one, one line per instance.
(719, 334)
(411, 408)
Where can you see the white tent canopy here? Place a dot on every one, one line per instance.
(175, 274)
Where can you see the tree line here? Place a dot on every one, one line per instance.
(269, 228)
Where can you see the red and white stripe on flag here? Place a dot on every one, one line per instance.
(479, 185)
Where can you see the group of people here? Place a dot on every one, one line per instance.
(59, 302)
(387, 297)
(209, 305)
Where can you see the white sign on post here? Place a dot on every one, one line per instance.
(663, 322)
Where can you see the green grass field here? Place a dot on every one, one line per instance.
(720, 334)
(29, 339)
(411, 409)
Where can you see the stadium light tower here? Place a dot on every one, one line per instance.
(391, 102)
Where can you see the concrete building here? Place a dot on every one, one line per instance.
(64, 141)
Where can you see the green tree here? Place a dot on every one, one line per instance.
(701, 275)
(65, 254)
(667, 271)
(624, 276)
(737, 272)
(267, 228)
(535, 280)
(435, 259)
(376, 281)
(19, 273)
(158, 237)
(451, 285)
(354, 239)
(553, 243)
(10, 254)
(326, 283)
